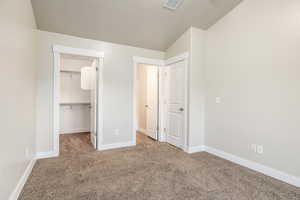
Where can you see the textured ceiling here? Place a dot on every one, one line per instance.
(140, 23)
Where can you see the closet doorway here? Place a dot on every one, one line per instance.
(77, 100)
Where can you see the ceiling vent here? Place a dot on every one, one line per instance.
(172, 4)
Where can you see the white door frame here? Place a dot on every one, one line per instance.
(172, 60)
(136, 61)
(57, 51)
(161, 64)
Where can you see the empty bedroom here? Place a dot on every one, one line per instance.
(150, 100)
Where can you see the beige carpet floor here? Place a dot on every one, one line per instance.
(75, 143)
(153, 171)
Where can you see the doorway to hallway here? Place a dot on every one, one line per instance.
(161, 99)
(147, 100)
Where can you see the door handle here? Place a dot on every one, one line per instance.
(181, 109)
(146, 106)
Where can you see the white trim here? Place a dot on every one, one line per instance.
(56, 101)
(176, 58)
(161, 81)
(134, 107)
(185, 57)
(140, 60)
(117, 145)
(195, 149)
(74, 131)
(99, 138)
(57, 51)
(50, 154)
(293, 180)
(77, 51)
(149, 61)
(18, 189)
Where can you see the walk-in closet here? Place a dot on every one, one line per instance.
(76, 102)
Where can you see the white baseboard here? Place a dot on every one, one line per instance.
(116, 145)
(50, 154)
(17, 191)
(194, 149)
(71, 131)
(293, 180)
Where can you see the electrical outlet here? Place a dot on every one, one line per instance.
(260, 149)
(254, 147)
(117, 132)
(218, 99)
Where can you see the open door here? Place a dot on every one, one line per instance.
(94, 105)
(175, 104)
(152, 102)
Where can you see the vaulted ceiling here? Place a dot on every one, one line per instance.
(140, 23)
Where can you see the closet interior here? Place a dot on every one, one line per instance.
(77, 99)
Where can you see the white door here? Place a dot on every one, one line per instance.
(152, 102)
(93, 106)
(175, 104)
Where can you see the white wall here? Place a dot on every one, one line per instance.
(181, 45)
(74, 118)
(70, 82)
(253, 63)
(118, 83)
(192, 41)
(197, 88)
(17, 86)
(70, 89)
